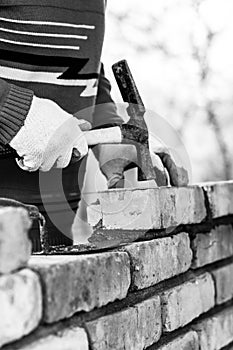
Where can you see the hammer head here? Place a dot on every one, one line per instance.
(135, 131)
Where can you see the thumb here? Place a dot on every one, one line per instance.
(84, 124)
(178, 175)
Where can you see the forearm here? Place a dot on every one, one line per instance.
(15, 103)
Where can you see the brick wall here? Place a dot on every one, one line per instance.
(170, 290)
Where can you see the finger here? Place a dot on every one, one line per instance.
(49, 162)
(84, 124)
(80, 146)
(27, 164)
(113, 170)
(64, 160)
(178, 175)
(160, 173)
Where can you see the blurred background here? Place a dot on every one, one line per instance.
(181, 56)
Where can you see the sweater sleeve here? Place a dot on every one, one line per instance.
(105, 113)
(15, 103)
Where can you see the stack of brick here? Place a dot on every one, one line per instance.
(20, 288)
(170, 290)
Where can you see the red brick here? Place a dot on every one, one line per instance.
(68, 339)
(159, 259)
(213, 246)
(183, 303)
(20, 305)
(216, 332)
(84, 282)
(134, 328)
(220, 197)
(223, 278)
(143, 209)
(15, 246)
(188, 341)
(183, 205)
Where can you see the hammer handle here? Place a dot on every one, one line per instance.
(128, 89)
(93, 137)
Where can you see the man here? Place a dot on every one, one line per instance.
(50, 69)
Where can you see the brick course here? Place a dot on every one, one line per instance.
(140, 209)
(185, 308)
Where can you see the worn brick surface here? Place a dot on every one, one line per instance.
(15, 247)
(220, 197)
(68, 339)
(20, 305)
(130, 209)
(159, 259)
(212, 246)
(223, 278)
(182, 304)
(75, 283)
(188, 341)
(181, 205)
(135, 328)
(216, 332)
(149, 208)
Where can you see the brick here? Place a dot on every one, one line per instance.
(220, 197)
(213, 246)
(15, 246)
(159, 259)
(188, 341)
(183, 205)
(77, 283)
(216, 332)
(183, 303)
(134, 328)
(144, 209)
(20, 305)
(223, 278)
(130, 209)
(68, 339)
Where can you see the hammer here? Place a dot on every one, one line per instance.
(133, 132)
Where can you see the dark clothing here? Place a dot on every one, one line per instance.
(50, 48)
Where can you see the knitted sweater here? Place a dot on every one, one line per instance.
(52, 48)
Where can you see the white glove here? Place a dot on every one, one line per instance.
(48, 137)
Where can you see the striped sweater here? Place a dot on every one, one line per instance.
(52, 48)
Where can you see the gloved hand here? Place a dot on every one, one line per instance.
(115, 159)
(48, 137)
